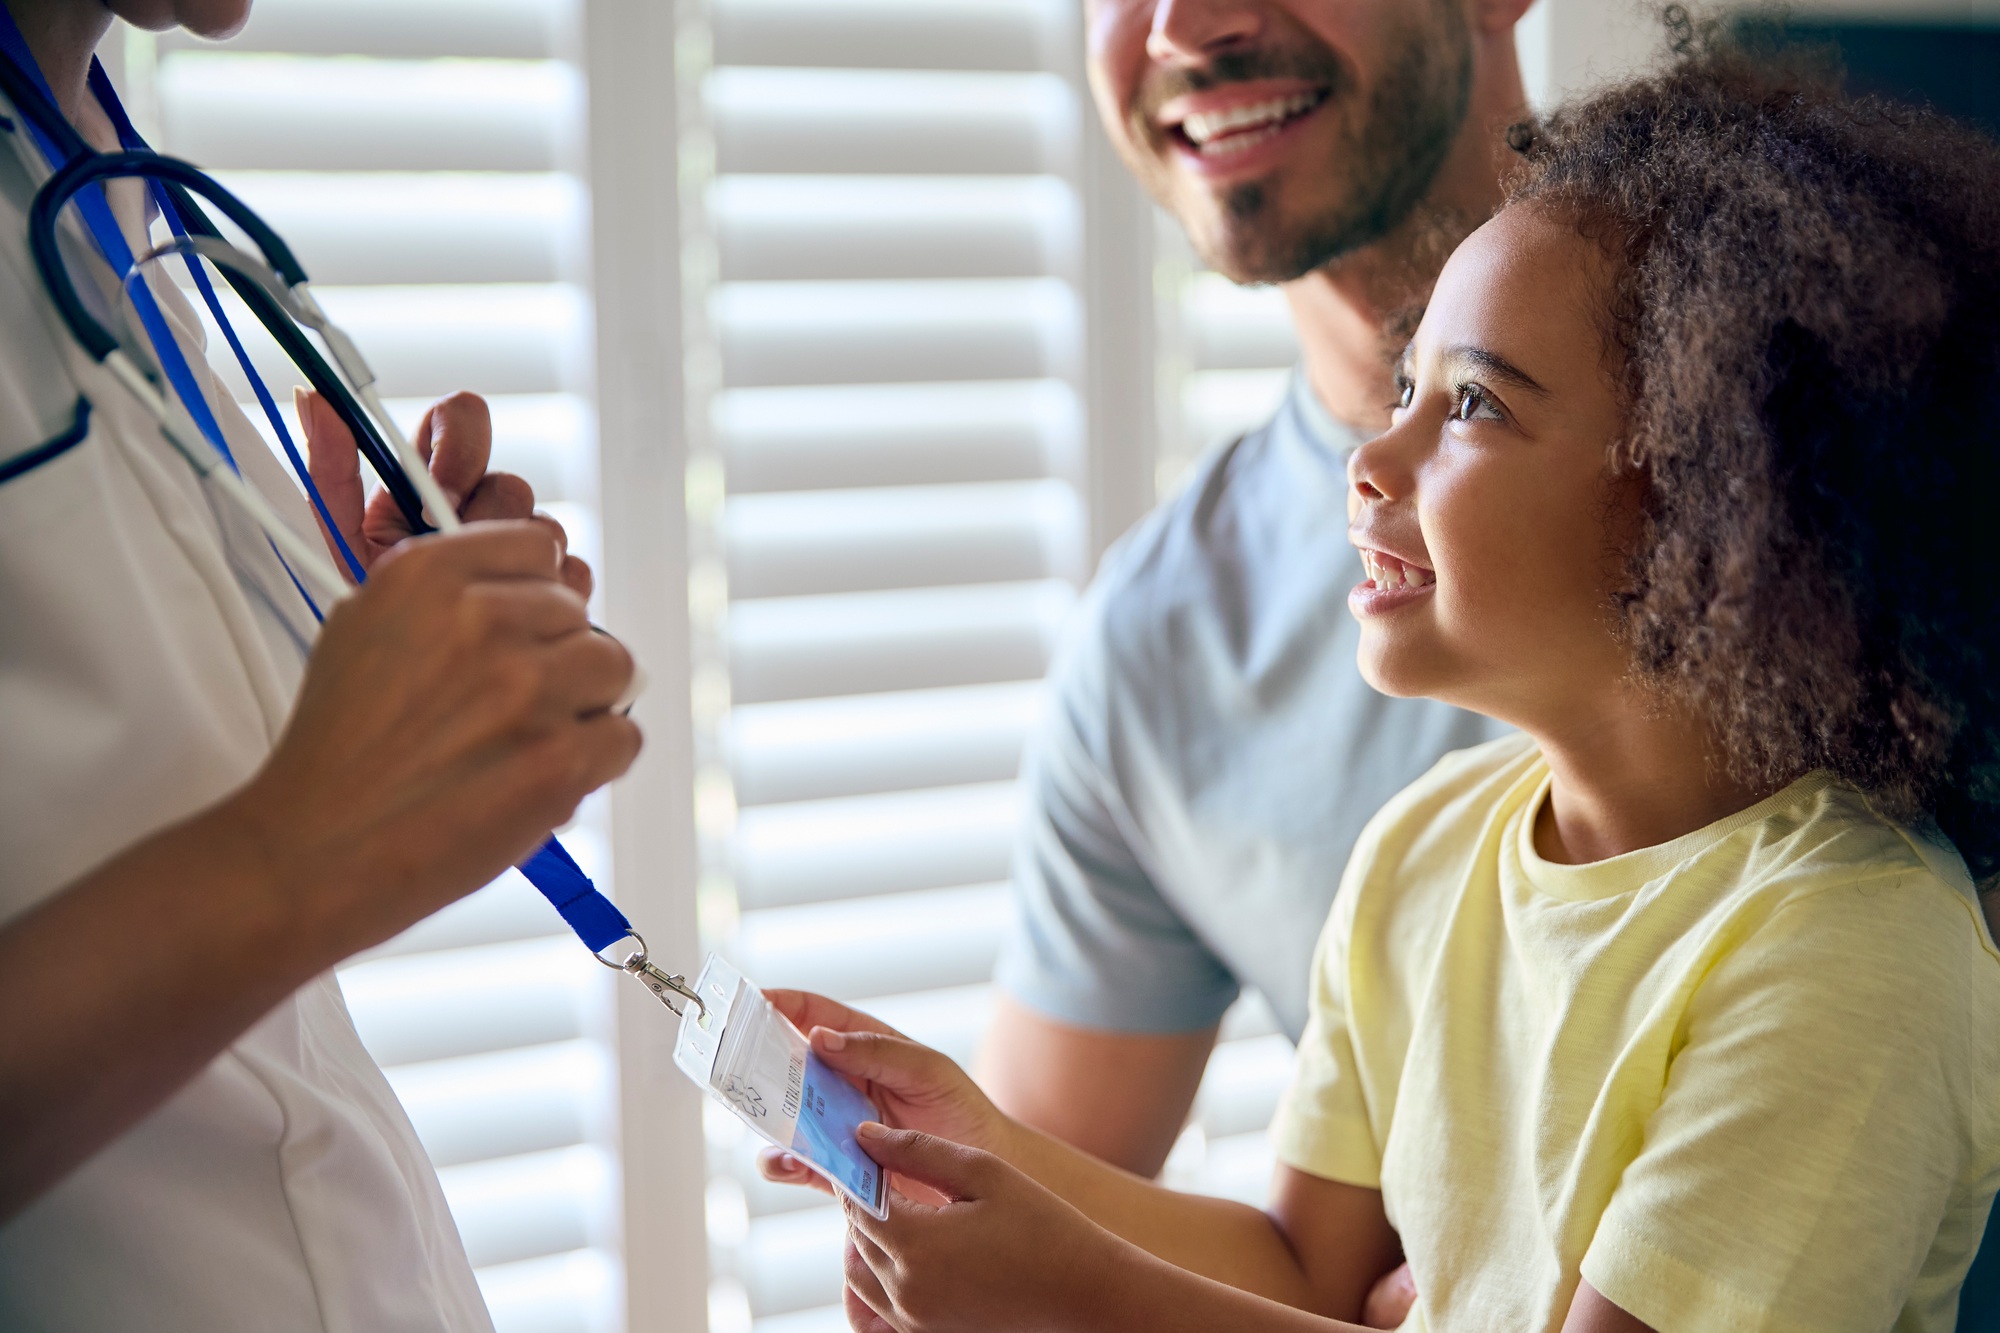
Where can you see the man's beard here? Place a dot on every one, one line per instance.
(1391, 152)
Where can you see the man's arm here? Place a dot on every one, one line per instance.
(1119, 1096)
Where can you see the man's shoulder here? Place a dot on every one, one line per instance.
(1214, 549)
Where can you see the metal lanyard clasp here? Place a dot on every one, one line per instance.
(663, 985)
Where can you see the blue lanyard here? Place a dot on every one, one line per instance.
(595, 919)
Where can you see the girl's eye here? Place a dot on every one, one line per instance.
(1406, 390)
(1475, 404)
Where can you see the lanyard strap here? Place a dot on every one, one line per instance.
(595, 919)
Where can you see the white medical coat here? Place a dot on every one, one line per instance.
(150, 648)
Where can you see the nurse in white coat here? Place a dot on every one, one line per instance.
(206, 803)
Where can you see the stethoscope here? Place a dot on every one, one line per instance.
(274, 287)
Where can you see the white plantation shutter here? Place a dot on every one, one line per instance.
(899, 512)
(1226, 354)
(422, 158)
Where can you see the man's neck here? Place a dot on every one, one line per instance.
(1341, 311)
(62, 34)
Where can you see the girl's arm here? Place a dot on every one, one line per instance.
(1001, 1252)
(1321, 1246)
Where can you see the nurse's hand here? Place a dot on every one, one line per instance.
(456, 708)
(456, 438)
(911, 1085)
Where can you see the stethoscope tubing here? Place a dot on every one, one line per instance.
(182, 182)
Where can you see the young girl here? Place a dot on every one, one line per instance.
(1678, 1010)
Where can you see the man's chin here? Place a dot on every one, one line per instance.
(1252, 256)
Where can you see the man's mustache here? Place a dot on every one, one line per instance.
(1320, 66)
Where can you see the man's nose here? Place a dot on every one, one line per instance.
(1188, 32)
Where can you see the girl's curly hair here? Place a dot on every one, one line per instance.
(1808, 312)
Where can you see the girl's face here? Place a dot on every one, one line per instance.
(1488, 517)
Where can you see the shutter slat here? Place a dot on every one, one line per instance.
(791, 227)
(865, 642)
(773, 333)
(1222, 404)
(505, 1103)
(891, 34)
(247, 112)
(466, 1001)
(536, 1204)
(514, 29)
(573, 1292)
(833, 436)
(1233, 328)
(1240, 1090)
(825, 1319)
(951, 1021)
(814, 748)
(807, 121)
(851, 846)
(792, 1260)
(1238, 1167)
(378, 228)
(425, 342)
(506, 910)
(881, 946)
(789, 544)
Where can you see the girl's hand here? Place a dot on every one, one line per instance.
(912, 1086)
(996, 1252)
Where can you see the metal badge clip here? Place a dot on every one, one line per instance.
(663, 986)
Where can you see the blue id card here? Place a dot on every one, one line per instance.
(761, 1067)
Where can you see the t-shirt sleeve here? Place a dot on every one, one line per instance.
(1820, 1124)
(1093, 941)
(1322, 1127)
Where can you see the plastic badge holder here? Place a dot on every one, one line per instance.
(752, 1060)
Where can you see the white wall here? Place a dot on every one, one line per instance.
(1567, 46)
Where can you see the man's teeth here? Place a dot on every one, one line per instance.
(1390, 574)
(1201, 127)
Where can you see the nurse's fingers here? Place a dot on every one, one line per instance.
(456, 437)
(332, 460)
(522, 609)
(587, 672)
(577, 577)
(499, 495)
(518, 549)
(605, 743)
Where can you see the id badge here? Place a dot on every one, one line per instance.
(752, 1060)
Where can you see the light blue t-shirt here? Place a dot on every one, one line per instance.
(1209, 751)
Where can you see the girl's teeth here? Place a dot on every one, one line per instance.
(1389, 576)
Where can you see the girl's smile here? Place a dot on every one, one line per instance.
(1392, 582)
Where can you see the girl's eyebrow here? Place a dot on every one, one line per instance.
(1499, 367)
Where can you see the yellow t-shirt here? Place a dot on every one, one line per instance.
(1749, 1079)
